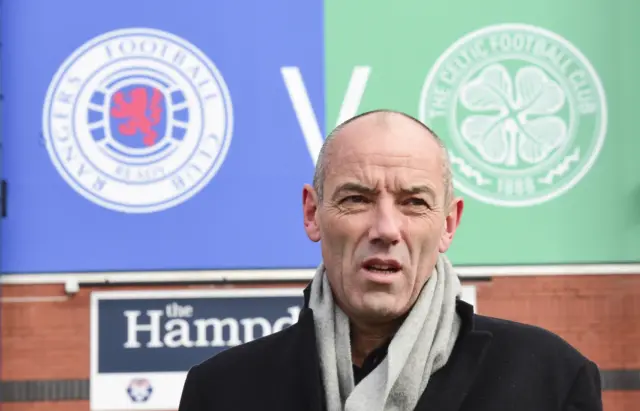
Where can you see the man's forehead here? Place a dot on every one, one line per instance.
(379, 169)
(364, 130)
(396, 139)
(386, 158)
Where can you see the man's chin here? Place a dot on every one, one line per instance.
(380, 307)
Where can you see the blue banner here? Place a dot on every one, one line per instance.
(151, 136)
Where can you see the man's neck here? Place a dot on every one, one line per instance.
(366, 338)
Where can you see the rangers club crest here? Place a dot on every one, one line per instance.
(137, 120)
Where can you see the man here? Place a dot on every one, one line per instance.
(383, 327)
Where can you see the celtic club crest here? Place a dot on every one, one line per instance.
(521, 110)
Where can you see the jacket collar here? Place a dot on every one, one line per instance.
(307, 294)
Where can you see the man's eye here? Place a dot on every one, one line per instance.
(416, 202)
(357, 199)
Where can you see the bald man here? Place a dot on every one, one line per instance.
(383, 326)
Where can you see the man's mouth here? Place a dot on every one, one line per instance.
(384, 266)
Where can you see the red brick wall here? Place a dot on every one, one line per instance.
(46, 406)
(600, 315)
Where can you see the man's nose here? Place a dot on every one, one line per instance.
(386, 225)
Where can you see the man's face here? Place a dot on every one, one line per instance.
(383, 219)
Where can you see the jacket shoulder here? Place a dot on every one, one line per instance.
(512, 335)
(224, 377)
(260, 353)
(277, 367)
(524, 352)
(527, 334)
(540, 366)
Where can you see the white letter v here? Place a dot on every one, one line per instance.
(305, 113)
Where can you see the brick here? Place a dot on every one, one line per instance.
(621, 400)
(46, 406)
(597, 314)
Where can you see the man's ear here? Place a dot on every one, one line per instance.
(309, 210)
(452, 221)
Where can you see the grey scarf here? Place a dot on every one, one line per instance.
(421, 346)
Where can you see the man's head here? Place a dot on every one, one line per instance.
(382, 206)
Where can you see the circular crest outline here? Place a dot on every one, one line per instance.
(599, 135)
(193, 189)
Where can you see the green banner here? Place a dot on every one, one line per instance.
(535, 102)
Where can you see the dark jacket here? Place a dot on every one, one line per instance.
(496, 365)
